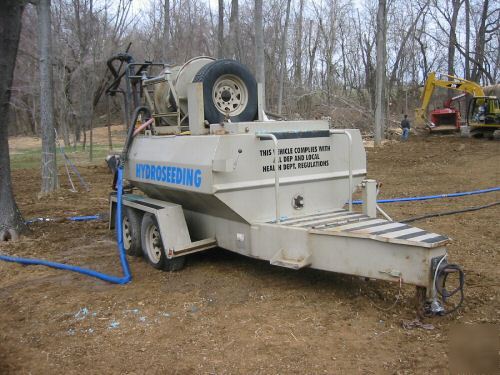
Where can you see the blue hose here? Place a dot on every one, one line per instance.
(71, 218)
(85, 271)
(85, 218)
(427, 197)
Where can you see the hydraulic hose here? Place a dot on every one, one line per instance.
(438, 214)
(131, 129)
(85, 271)
(428, 197)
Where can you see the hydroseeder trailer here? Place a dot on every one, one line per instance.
(206, 168)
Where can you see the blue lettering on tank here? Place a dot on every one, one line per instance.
(169, 174)
(189, 177)
(178, 176)
(169, 170)
(197, 178)
(153, 171)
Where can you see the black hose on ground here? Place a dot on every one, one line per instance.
(469, 209)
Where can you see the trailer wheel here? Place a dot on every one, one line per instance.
(152, 246)
(229, 89)
(131, 231)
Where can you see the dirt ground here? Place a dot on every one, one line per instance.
(226, 314)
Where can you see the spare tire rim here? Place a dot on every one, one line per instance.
(153, 244)
(230, 95)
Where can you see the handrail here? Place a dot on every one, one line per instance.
(349, 154)
(273, 138)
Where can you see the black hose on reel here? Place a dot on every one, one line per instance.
(440, 285)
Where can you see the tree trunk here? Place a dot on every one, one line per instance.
(380, 72)
(283, 57)
(260, 69)
(220, 31)
(344, 63)
(11, 220)
(313, 46)
(91, 138)
(453, 37)
(166, 29)
(467, 39)
(234, 31)
(480, 42)
(298, 46)
(49, 168)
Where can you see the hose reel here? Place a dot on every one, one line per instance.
(229, 91)
(441, 270)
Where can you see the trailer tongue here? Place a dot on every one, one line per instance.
(277, 191)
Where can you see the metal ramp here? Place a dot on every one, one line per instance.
(355, 224)
(352, 243)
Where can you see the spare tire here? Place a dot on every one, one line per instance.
(229, 90)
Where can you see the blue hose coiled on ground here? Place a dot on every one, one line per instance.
(118, 223)
(85, 271)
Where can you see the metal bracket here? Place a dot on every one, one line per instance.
(369, 197)
(193, 247)
(279, 260)
(196, 109)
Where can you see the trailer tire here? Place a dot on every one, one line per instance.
(228, 86)
(131, 231)
(153, 249)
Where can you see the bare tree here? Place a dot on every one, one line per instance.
(480, 43)
(234, 31)
(456, 4)
(220, 31)
(259, 48)
(166, 29)
(329, 51)
(11, 220)
(487, 27)
(467, 38)
(298, 45)
(283, 57)
(49, 166)
(312, 47)
(380, 72)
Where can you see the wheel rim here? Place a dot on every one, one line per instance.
(153, 245)
(230, 95)
(127, 235)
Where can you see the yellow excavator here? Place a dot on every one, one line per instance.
(483, 112)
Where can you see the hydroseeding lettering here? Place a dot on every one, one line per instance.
(171, 175)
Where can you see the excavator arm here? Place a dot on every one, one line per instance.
(447, 82)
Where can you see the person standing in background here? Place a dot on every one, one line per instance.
(405, 125)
